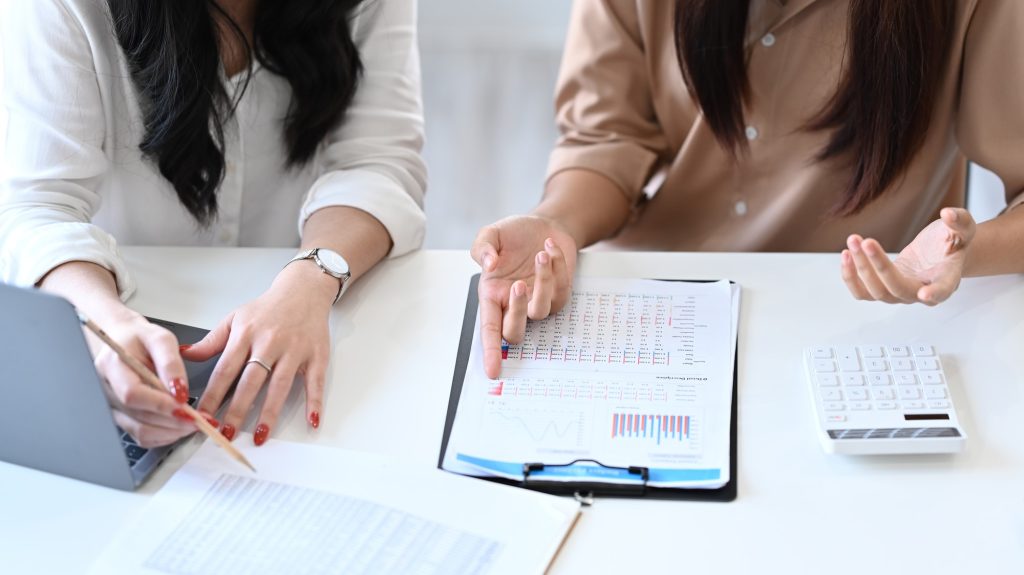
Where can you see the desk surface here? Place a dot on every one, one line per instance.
(395, 337)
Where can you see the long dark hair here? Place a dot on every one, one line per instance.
(880, 111)
(174, 57)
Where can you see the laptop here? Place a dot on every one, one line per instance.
(54, 415)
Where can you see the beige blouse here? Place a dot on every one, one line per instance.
(624, 112)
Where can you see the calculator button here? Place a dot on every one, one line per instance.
(928, 364)
(835, 418)
(898, 351)
(906, 379)
(858, 394)
(902, 364)
(921, 350)
(869, 351)
(824, 365)
(853, 379)
(910, 393)
(932, 379)
(821, 352)
(134, 452)
(831, 395)
(938, 404)
(886, 405)
(860, 406)
(827, 380)
(883, 393)
(835, 406)
(913, 405)
(847, 356)
(876, 365)
(935, 392)
(880, 379)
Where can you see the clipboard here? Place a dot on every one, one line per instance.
(585, 491)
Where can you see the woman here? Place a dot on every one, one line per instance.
(211, 123)
(773, 125)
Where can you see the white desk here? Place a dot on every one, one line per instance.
(798, 510)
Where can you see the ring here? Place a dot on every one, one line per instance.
(260, 363)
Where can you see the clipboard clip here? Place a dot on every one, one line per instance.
(585, 490)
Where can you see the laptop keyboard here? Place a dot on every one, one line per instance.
(132, 450)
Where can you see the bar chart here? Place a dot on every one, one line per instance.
(654, 428)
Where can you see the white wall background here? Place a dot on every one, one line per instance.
(489, 70)
(3, 110)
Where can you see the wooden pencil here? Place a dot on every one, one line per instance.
(153, 381)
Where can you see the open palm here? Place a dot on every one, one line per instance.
(928, 270)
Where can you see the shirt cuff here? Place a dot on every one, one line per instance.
(41, 249)
(627, 165)
(376, 194)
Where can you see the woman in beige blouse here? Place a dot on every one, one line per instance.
(774, 125)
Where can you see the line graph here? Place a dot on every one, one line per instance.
(535, 423)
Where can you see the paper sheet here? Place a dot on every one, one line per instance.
(319, 510)
(630, 373)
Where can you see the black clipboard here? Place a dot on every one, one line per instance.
(584, 491)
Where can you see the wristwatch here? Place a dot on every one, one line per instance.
(331, 263)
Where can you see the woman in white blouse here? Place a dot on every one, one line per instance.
(210, 123)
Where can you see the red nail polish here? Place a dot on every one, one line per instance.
(210, 419)
(261, 434)
(180, 390)
(228, 431)
(186, 347)
(181, 414)
(314, 419)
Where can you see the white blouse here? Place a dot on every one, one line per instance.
(74, 182)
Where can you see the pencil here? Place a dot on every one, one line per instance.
(153, 381)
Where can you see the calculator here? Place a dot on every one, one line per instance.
(873, 399)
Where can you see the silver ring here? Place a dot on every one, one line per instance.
(260, 363)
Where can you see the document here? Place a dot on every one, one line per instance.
(319, 510)
(629, 373)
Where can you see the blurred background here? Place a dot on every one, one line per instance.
(489, 70)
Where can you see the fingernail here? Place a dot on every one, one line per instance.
(488, 261)
(542, 258)
(549, 244)
(210, 419)
(184, 348)
(314, 419)
(180, 390)
(181, 414)
(261, 434)
(228, 431)
(519, 289)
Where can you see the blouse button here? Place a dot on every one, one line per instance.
(751, 133)
(740, 207)
(768, 40)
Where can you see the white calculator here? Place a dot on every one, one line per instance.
(882, 399)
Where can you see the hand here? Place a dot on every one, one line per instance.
(528, 263)
(153, 417)
(928, 270)
(286, 328)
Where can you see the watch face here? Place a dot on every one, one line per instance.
(333, 261)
